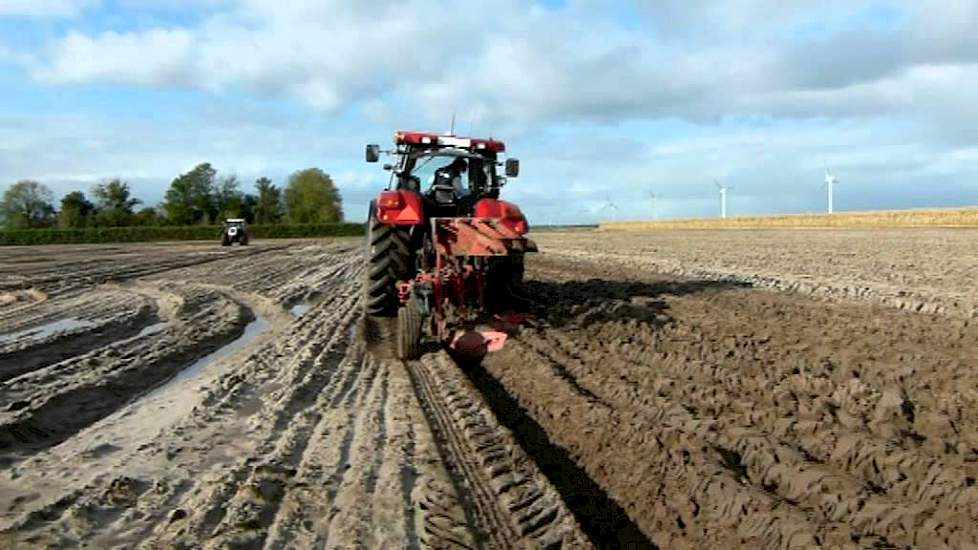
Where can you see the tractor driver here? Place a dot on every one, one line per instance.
(448, 181)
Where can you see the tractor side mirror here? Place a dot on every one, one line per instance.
(512, 168)
(373, 153)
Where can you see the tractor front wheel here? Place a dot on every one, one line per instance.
(409, 321)
(388, 261)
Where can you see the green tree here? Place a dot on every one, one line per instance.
(248, 205)
(75, 210)
(311, 197)
(27, 204)
(190, 198)
(114, 203)
(268, 207)
(148, 216)
(228, 198)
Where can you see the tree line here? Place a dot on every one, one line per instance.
(198, 197)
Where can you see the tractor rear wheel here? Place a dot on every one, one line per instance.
(388, 261)
(409, 321)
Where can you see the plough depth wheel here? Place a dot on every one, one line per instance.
(409, 320)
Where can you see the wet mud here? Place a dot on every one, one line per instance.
(639, 405)
(716, 413)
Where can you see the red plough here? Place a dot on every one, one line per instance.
(448, 303)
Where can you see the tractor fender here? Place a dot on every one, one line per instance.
(399, 207)
(510, 214)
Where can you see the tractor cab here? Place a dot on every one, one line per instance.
(452, 173)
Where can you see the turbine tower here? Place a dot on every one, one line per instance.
(723, 197)
(653, 197)
(830, 181)
(612, 206)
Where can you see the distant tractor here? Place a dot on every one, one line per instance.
(234, 231)
(444, 253)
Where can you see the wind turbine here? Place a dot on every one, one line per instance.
(612, 206)
(723, 197)
(830, 180)
(653, 197)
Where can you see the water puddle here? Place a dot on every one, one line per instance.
(45, 330)
(252, 331)
(145, 418)
(300, 309)
(152, 329)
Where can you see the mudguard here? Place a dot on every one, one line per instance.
(399, 207)
(510, 214)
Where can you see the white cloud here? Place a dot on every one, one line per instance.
(525, 63)
(155, 57)
(44, 8)
(565, 177)
(173, 5)
(765, 91)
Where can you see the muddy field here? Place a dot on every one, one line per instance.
(929, 270)
(739, 394)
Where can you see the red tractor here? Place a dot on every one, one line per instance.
(445, 255)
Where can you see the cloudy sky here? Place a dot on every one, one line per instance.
(598, 99)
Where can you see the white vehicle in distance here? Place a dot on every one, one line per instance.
(234, 231)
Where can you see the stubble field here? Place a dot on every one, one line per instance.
(680, 389)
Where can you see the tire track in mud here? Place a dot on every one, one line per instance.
(49, 405)
(69, 326)
(244, 506)
(110, 307)
(255, 507)
(164, 505)
(510, 500)
(602, 519)
(102, 270)
(348, 466)
(303, 440)
(208, 318)
(349, 522)
(479, 504)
